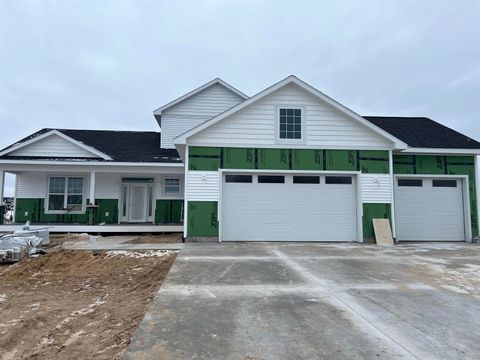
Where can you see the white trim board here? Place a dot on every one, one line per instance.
(196, 91)
(182, 139)
(436, 151)
(81, 145)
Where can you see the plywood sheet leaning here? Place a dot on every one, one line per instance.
(383, 232)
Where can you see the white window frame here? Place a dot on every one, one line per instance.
(164, 193)
(65, 195)
(280, 140)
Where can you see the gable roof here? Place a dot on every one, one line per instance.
(119, 146)
(196, 91)
(181, 139)
(422, 132)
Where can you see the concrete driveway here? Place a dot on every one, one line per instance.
(316, 301)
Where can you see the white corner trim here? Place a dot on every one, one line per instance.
(196, 91)
(181, 139)
(434, 151)
(63, 136)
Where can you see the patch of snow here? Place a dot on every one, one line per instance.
(3, 297)
(139, 254)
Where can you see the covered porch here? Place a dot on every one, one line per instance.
(71, 196)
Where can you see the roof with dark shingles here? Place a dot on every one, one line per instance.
(423, 132)
(121, 146)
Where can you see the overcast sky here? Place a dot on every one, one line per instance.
(108, 64)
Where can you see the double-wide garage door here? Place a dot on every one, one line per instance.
(286, 207)
(429, 209)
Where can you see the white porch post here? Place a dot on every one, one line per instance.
(392, 187)
(2, 185)
(92, 188)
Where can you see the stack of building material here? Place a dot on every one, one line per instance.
(22, 242)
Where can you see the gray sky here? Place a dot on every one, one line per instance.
(108, 64)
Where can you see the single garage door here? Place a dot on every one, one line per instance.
(280, 207)
(429, 209)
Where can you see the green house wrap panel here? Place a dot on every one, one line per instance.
(34, 210)
(374, 211)
(373, 161)
(342, 160)
(306, 159)
(204, 158)
(204, 164)
(273, 159)
(239, 158)
(202, 218)
(169, 211)
(107, 211)
(403, 164)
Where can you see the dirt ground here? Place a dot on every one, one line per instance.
(77, 305)
(157, 239)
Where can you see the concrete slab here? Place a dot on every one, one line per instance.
(313, 301)
(98, 243)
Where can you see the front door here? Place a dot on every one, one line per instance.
(137, 203)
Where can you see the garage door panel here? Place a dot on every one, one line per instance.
(430, 213)
(289, 211)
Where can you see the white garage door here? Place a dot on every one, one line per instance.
(429, 209)
(279, 207)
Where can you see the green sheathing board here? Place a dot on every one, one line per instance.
(306, 159)
(169, 212)
(273, 159)
(214, 158)
(374, 211)
(239, 158)
(202, 218)
(442, 165)
(107, 211)
(33, 210)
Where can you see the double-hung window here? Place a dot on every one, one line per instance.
(171, 186)
(65, 194)
(290, 123)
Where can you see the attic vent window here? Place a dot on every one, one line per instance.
(290, 123)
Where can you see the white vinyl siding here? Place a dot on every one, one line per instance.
(31, 186)
(202, 185)
(376, 188)
(325, 127)
(53, 146)
(195, 110)
(107, 186)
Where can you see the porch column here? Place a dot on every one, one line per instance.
(92, 208)
(3, 209)
(92, 188)
(2, 185)
(392, 187)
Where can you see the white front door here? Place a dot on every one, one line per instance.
(137, 203)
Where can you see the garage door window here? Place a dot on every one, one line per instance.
(238, 178)
(444, 183)
(271, 179)
(306, 179)
(338, 180)
(410, 182)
